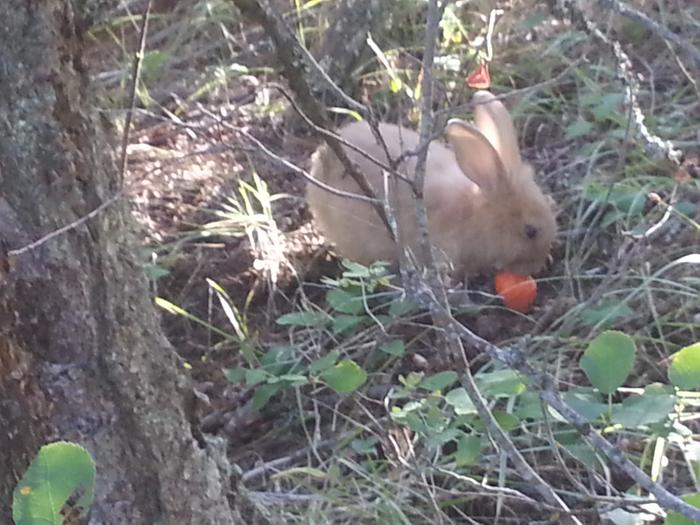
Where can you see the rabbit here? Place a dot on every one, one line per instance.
(485, 211)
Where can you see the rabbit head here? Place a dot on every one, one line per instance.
(514, 218)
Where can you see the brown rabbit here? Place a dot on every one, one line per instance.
(485, 211)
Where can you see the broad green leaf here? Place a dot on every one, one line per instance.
(439, 381)
(459, 400)
(344, 323)
(578, 129)
(685, 368)
(255, 376)
(505, 382)
(468, 450)
(59, 470)
(586, 403)
(676, 518)
(529, 406)
(304, 318)
(324, 363)
(395, 348)
(605, 314)
(644, 410)
(608, 360)
(235, 375)
(345, 377)
(345, 302)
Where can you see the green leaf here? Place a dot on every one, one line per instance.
(344, 323)
(170, 307)
(412, 380)
(608, 360)
(685, 368)
(578, 129)
(676, 518)
(345, 377)
(59, 470)
(505, 420)
(152, 64)
(529, 406)
(255, 376)
(468, 450)
(278, 359)
(344, 302)
(505, 382)
(395, 85)
(438, 439)
(365, 446)
(292, 379)
(324, 363)
(605, 314)
(305, 318)
(235, 375)
(264, 393)
(586, 402)
(459, 400)
(355, 270)
(402, 307)
(395, 348)
(439, 381)
(642, 410)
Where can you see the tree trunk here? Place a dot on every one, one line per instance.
(82, 357)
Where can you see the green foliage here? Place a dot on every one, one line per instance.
(282, 368)
(59, 472)
(685, 368)
(608, 360)
(653, 406)
(345, 377)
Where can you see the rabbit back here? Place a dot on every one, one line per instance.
(354, 226)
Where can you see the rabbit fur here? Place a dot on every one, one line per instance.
(485, 211)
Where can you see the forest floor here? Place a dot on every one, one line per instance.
(209, 74)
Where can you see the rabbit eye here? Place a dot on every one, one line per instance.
(530, 231)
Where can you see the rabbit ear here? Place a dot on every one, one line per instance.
(475, 155)
(493, 120)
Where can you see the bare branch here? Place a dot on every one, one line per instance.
(298, 65)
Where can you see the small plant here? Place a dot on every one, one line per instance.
(351, 308)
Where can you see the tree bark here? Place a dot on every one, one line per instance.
(82, 357)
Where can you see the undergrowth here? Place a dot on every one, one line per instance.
(351, 416)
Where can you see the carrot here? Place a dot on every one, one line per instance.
(518, 291)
